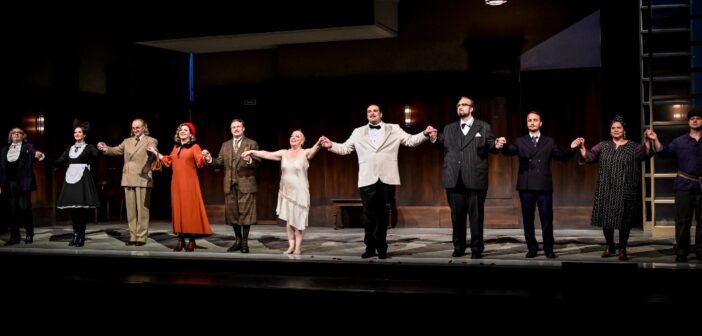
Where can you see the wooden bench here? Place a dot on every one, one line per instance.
(338, 204)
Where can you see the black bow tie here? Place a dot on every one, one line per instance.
(374, 126)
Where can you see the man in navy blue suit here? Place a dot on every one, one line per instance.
(534, 181)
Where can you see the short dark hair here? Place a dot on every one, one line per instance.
(534, 112)
(694, 112)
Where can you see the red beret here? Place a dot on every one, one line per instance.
(191, 127)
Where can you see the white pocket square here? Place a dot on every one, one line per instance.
(477, 135)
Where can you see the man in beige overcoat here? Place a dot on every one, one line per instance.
(239, 183)
(136, 179)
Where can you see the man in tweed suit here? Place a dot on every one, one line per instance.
(376, 144)
(466, 144)
(136, 179)
(239, 183)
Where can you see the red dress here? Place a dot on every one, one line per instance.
(187, 206)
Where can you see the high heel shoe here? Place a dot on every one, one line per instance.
(609, 251)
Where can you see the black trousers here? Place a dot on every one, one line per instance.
(687, 203)
(467, 204)
(375, 217)
(20, 206)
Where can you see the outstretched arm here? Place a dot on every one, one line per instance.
(652, 137)
(273, 156)
(312, 151)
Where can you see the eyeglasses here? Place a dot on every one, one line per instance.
(463, 104)
(16, 132)
(136, 127)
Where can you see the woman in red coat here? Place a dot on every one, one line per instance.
(188, 208)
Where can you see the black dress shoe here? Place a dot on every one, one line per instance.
(130, 243)
(531, 254)
(382, 255)
(680, 258)
(550, 255)
(457, 254)
(28, 239)
(139, 243)
(368, 254)
(476, 255)
(12, 242)
(235, 247)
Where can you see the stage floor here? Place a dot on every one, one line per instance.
(267, 242)
(420, 280)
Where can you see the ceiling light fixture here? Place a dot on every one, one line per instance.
(495, 2)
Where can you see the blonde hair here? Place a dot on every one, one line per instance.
(177, 139)
(302, 136)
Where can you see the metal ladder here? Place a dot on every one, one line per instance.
(671, 82)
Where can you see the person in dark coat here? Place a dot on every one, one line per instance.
(534, 181)
(466, 144)
(17, 182)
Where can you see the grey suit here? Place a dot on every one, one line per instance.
(465, 177)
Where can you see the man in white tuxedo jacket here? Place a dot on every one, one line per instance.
(376, 145)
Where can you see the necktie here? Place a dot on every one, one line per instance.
(236, 145)
(534, 140)
(374, 126)
(137, 141)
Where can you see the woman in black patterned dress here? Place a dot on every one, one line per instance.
(617, 194)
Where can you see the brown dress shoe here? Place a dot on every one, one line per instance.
(622, 255)
(179, 245)
(130, 243)
(191, 246)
